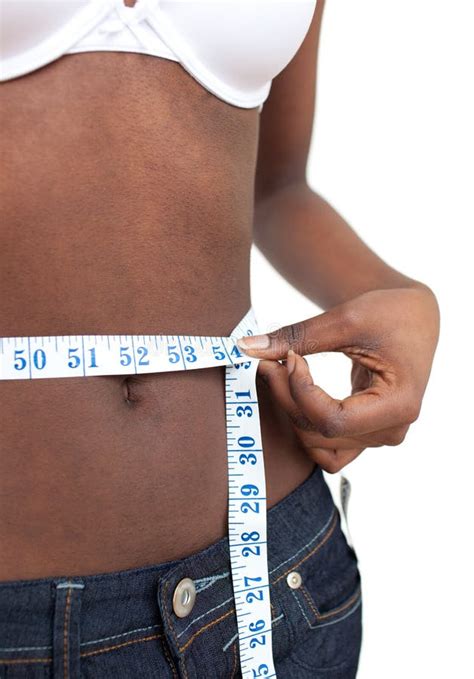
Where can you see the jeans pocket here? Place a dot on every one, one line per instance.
(319, 595)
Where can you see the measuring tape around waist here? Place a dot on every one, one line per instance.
(89, 355)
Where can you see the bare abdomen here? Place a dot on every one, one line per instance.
(126, 208)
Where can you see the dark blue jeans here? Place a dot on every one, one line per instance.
(123, 624)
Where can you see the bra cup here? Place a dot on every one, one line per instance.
(233, 48)
(245, 43)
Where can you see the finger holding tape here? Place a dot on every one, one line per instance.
(329, 331)
(278, 380)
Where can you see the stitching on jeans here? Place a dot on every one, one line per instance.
(15, 649)
(229, 643)
(67, 612)
(83, 643)
(234, 664)
(164, 646)
(315, 537)
(86, 654)
(183, 667)
(341, 608)
(203, 583)
(117, 636)
(334, 622)
(355, 599)
(204, 614)
(310, 601)
(301, 608)
(313, 551)
(209, 624)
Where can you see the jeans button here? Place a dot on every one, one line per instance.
(184, 597)
(294, 580)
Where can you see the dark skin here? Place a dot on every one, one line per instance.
(127, 157)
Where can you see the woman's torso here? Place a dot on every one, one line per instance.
(126, 208)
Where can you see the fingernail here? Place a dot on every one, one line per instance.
(254, 342)
(290, 361)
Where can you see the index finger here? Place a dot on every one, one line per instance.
(329, 331)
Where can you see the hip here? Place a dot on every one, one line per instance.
(177, 618)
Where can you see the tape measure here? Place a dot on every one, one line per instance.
(30, 358)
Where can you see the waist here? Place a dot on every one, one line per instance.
(130, 451)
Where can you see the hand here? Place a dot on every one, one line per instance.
(390, 335)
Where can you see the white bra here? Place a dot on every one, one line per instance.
(233, 48)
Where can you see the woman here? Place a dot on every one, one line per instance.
(133, 189)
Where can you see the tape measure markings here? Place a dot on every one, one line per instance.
(247, 538)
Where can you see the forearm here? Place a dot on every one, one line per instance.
(315, 249)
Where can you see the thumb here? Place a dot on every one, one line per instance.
(330, 331)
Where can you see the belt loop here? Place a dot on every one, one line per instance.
(66, 632)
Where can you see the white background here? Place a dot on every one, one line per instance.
(393, 151)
